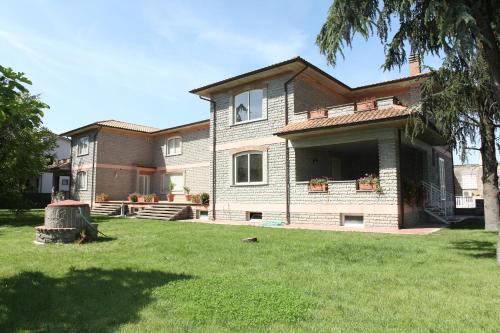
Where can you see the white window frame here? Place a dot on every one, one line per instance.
(79, 146)
(235, 122)
(264, 169)
(79, 184)
(167, 150)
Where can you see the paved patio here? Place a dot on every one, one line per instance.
(424, 229)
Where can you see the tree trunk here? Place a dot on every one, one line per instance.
(490, 176)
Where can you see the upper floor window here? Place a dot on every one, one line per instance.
(174, 146)
(248, 106)
(81, 180)
(248, 168)
(83, 145)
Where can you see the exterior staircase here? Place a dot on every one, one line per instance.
(439, 205)
(167, 212)
(106, 209)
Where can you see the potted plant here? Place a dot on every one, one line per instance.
(187, 190)
(133, 197)
(102, 197)
(205, 198)
(151, 198)
(140, 199)
(318, 185)
(369, 182)
(170, 195)
(196, 198)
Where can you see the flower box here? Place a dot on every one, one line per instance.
(319, 113)
(364, 105)
(318, 185)
(367, 186)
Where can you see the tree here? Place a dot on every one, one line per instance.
(459, 100)
(458, 28)
(25, 144)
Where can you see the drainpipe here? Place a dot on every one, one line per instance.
(287, 153)
(400, 182)
(92, 189)
(214, 154)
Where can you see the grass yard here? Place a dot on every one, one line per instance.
(177, 277)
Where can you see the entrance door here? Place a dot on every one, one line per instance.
(178, 180)
(143, 187)
(442, 180)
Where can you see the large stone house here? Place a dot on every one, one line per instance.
(119, 158)
(273, 130)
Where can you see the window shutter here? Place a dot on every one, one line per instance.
(264, 102)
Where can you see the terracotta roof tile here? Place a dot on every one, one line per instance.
(355, 118)
(127, 126)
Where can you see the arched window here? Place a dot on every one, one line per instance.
(248, 106)
(248, 167)
(174, 146)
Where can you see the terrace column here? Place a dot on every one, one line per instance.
(389, 172)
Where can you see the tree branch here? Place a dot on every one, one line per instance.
(472, 148)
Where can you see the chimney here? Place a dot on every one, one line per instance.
(414, 61)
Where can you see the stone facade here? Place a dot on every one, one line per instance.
(121, 156)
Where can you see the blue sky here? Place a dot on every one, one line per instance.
(136, 60)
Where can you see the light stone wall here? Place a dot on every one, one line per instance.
(270, 197)
(193, 162)
(274, 190)
(83, 163)
(345, 192)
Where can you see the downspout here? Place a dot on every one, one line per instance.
(287, 153)
(92, 193)
(400, 183)
(214, 154)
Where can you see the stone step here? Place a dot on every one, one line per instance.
(166, 209)
(154, 214)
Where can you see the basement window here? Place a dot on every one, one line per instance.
(255, 216)
(353, 221)
(202, 215)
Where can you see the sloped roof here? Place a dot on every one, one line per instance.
(359, 117)
(127, 126)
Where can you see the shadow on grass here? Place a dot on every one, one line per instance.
(26, 219)
(95, 299)
(469, 224)
(476, 249)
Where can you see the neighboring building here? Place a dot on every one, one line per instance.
(271, 131)
(278, 127)
(119, 158)
(57, 177)
(468, 180)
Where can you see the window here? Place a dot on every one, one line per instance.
(144, 184)
(353, 221)
(83, 145)
(248, 168)
(81, 180)
(174, 146)
(177, 179)
(248, 106)
(255, 216)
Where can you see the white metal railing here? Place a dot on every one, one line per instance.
(435, 198)
(465, 202)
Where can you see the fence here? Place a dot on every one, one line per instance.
(465, 202)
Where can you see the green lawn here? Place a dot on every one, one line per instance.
(177, 277)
